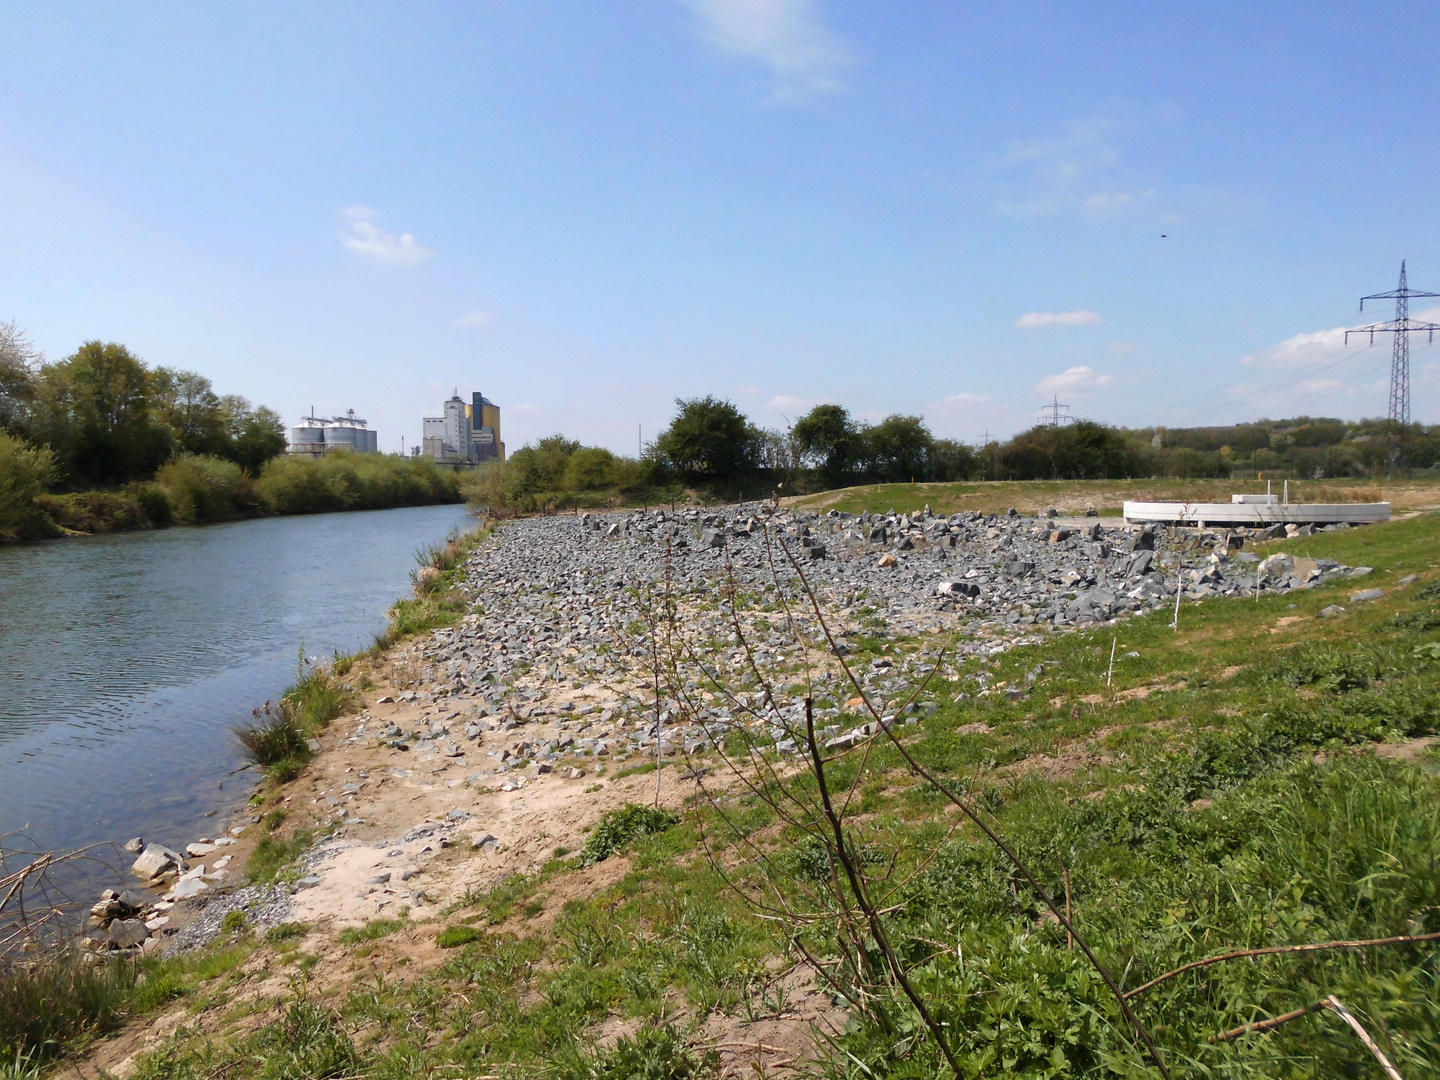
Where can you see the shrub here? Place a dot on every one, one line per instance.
(275, 736)
(286, 930)
(620, 827)
(25, 471)
(204, 488)
(293, 485)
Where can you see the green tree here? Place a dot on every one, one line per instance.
(19, 361)
(709, 439)
(830, 441)
(1083, 450)
(899, 448)
(187, 404)
(256, 434)
(589, 468)
(96, 415)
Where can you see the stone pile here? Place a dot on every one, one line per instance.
(550, 670)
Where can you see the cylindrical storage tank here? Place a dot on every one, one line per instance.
(307, 439)
(340, 435)
(372, 441)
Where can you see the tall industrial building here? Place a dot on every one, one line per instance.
(316, 436)
(485, 428)
(468, 432)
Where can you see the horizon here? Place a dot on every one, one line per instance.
(588, 212)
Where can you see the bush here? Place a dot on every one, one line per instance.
(620, 827)
(275, 736)
(25, 471)
(294, 485)
(204, 488)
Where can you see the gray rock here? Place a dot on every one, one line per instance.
(127, 933)
(134, 847)
(1334, 611)
(1366, 594)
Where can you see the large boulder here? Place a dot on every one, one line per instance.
(155, 862)
(1277, 566)
(127, 933)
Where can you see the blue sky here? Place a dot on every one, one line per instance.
(588, 209)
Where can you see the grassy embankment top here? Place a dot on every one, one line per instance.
(1107, 496)
(1262, 777)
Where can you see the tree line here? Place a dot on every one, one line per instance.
(108, 419)
(99, 442)
(710, 445)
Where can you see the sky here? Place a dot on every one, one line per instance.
(1154, 214)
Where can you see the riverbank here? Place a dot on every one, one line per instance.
(195, 490)
(449, 910)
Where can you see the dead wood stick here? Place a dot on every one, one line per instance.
(1274, 949)
(1337, 1006)
(1266, 1025)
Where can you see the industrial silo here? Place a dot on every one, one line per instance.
(307, 437)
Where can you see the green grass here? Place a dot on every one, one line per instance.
(1107, 496)
(373, 930)
(454, 936)
(273, 854)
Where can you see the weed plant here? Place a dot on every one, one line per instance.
(619, 827)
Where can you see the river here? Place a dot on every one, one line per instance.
(126, 660)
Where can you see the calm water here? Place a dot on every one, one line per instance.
(125, 660)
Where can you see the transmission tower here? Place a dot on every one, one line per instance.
(1402, 327)
(1056, 414)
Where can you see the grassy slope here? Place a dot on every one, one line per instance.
(1235, 807)
(1074, 496)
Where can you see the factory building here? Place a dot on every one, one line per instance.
(485, 428)
(466, 433)
(316, 436)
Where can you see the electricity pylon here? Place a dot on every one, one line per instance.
(1402, 327)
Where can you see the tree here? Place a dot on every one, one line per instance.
(1083, 450)
(589, 468)
(829, 440)
(709, 439)
(256, 434)
(950, 460)
(899, 448)
(186, 403)
(97, 416)
(19, 360)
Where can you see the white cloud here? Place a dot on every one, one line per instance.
(806, 60)
(1057, 318)
(748, 391)
(362, 235)
(789, 403)
(476, 320)
(960, 401)
(1075, 382)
